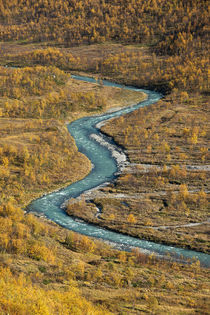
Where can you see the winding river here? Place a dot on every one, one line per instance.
(105, 166)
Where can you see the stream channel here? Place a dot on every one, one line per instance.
(105, 168)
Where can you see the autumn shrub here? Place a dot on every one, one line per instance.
(19, 296)
(79, 242)
(38, 251)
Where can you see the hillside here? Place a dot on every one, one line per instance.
(158, 45)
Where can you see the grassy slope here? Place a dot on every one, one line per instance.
(173, 134)
(168, 193)
(95, 288)
(123, 283)
(40, 154)
(41, 253)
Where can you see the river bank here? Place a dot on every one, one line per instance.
(79, 130)
(158, 184)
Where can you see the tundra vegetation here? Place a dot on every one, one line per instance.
(161, 45)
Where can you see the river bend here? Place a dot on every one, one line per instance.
(105, 168)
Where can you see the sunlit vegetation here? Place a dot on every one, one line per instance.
(31, 160)
(24, 237)
(40, 92)
(46, 269)
(19, 296)
(78, 22)
(156, 44)
(36, 151)
(167, 186)
(175, 31)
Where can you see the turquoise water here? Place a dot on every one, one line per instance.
(104, 170)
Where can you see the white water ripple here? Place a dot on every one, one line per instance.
(117, 154)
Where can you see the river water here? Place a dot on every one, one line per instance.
(105, 168)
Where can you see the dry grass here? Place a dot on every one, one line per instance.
(167, 193)
(121, 283)
(50, 150)
(124, 283)
(53, 160)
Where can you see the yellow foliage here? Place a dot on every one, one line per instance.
(19, 296)
(38, 251)
(183, 191)
(131, 219)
